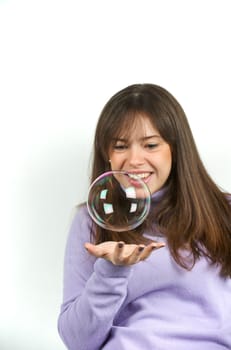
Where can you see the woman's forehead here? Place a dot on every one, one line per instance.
(138, 126)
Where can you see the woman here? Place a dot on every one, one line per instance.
(118, 293)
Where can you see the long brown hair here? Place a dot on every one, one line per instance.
(194, 212)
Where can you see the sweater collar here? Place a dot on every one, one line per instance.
(158, 195)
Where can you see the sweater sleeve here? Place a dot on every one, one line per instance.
(94, 290)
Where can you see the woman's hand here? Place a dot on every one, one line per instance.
(120, 253)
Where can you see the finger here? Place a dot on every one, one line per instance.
(93, 249)
(150, 248)
(135, 256)
(157, 245)
(118, 253)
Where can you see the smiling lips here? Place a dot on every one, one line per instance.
(143, 176)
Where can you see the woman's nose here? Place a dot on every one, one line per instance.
(135, 157)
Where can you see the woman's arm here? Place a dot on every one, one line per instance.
(94, 290)
(95, 284)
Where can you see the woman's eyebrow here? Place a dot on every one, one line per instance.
(150, 137)
(144, 138)
(119, 139)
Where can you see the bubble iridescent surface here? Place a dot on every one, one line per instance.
(118, 202)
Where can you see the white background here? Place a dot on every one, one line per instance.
(60, 61)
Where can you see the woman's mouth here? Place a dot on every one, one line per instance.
(140, 176)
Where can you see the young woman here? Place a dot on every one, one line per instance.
(121, 291)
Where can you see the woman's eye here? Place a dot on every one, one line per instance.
(151, 145)
(120, 147)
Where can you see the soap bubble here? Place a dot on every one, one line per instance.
(118, 201)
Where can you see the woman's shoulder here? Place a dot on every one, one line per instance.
(228, 196)
(81, 222)
(81, 211)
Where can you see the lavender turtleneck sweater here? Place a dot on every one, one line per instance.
(152, 305)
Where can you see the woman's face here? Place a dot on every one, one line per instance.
(143, 153)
